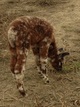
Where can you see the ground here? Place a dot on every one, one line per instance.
(64, 87)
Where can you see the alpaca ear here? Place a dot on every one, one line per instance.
(60, 49)
(65, 54)
(62, 55)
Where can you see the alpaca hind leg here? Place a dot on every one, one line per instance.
(19, 70)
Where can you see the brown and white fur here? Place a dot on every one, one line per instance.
(31, 32)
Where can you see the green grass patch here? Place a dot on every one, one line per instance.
(66, 68)
(71, 67)
(76, 64)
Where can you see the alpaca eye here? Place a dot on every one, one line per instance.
(60, 64)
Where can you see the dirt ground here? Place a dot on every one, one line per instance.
(64, 87)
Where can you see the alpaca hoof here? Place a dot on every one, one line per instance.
(21, 89)
(23, 93)
(46, 80)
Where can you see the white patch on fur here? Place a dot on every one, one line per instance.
(21, 52)
(19, 78)
(24, 60)
(23, 67)
(39, 71)
(26, 53)
(43, 63)
(16, 71)
(21, 88)
(48, 45)
(12, 36)
(43, 66)
(45, 78)
(43, 60)
(45, 40)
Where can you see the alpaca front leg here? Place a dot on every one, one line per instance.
(44, 59)
(37, 57)
(43, 69)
